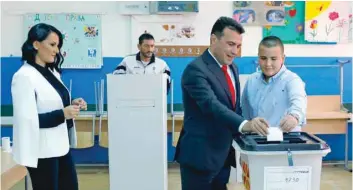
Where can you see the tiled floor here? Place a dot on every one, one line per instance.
(97, 178)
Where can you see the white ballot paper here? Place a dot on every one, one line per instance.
(274, 134)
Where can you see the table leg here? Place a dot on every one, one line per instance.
(346, 151)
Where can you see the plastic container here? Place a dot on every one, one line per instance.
(294, 163)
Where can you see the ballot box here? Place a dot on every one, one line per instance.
(292, 164)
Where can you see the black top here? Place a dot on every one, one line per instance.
(56, 117)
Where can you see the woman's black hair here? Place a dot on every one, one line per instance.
(40, 32)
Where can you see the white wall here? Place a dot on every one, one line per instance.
(116, 29)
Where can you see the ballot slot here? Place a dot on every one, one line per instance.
(286, 140)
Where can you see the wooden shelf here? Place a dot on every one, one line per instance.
(328, 115)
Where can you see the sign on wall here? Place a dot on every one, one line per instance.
(82, 44)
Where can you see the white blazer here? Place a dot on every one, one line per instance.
(29, 141)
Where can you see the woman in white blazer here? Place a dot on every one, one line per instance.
(43, 128)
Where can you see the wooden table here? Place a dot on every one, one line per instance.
(11, 173)
(87, 126)
(324, 116)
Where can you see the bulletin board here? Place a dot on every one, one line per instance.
(293, 31)
(82, 34)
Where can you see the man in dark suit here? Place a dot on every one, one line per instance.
(212, 112)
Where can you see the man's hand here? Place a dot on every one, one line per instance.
(80, 102)
(257, 125)
(288, 123)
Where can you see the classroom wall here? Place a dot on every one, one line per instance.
(117, 42)
(116, 29)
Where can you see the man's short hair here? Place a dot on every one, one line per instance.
(272, 41)
(145, 36)
(226, 22)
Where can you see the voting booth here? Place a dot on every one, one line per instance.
(137, 128)
(291, 164)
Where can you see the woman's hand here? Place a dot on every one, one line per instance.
(71, 111)
(80, 102)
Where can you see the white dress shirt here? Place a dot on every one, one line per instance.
(230, 73)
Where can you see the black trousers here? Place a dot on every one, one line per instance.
(192, 179)
(57, 173)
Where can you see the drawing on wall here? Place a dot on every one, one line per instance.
(174, 36)
(174, 32)
(175, 39)
(274, 3)
(328, 21)
(293, 30)
(183, 38)
(242, 3)
(244, 16)
(186, 31)
(81, 35)
(275, 16)
(259, 13)
(91, 31)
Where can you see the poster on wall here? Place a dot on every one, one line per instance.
(82, 39)
(259, 13)
(328, 21)
(174, 39)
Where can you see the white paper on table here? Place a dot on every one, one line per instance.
(274, 134)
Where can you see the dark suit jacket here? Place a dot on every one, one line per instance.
(210, 121)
